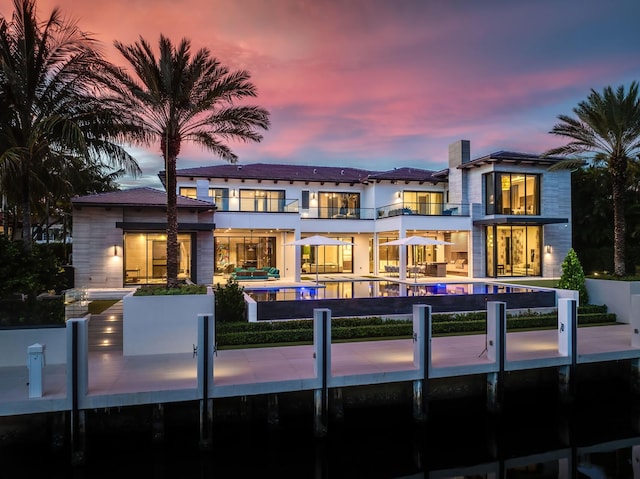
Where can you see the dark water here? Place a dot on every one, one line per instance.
(533, 437)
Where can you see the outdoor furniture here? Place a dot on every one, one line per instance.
(251, 273)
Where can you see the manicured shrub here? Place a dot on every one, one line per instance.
(230, 305)
(573, 276)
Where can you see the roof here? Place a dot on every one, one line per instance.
(143, 196)
(269, 171)
(513, 158)
(405, 174)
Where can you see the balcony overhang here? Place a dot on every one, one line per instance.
(513, 220)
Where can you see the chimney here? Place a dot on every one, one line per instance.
(459, 153)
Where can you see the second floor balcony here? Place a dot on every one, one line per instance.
(342, 213)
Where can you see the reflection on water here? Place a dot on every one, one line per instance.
(374, 289)
(533, 438)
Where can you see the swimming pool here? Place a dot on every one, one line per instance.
(376, 289)
(385, 298)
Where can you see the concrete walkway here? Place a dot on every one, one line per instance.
(111, 374)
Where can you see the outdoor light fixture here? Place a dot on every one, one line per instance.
(313, 196)
(233, 193)
(547, 248)
(115, 250)
(399, 194)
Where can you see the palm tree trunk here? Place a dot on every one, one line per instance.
(26, 216)
(619, 224)
(172, 224)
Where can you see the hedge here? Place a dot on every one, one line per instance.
(235, 334)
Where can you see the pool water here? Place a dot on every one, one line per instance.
(375, 289)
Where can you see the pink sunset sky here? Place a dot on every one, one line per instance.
(379, 84)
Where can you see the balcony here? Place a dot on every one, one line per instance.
(423, 209)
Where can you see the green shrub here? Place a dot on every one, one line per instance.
(161, 290)
(301, 331)
(573, 276)
(230, 305)
(29, 273)
(31, 312)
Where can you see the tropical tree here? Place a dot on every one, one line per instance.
(607, 128)
(53, 116)
(180, 96)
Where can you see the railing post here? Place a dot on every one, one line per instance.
(322, 366)
(205, 352)
(77, 383)
(496, 347)
(567, 346)
(635, 342)
(421, 359)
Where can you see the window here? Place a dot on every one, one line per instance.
(339, 205)
(512, 194)
(220, 197)
(243, 252)
(305, 200)
(513, 251)
(188, 192)
(272, 201)
(146, 257)
(423, 202)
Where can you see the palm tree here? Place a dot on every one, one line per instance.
(51, 74)
(607, 128)
(184, 97)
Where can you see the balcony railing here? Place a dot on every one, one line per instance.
(333, 213)
(423, 209)
(341, 213)
(259, 206)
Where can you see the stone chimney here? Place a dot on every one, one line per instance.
(459, 152)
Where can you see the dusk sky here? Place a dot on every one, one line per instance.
(379, 84)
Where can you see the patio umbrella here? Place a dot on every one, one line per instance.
(415, 241)
(316, 241)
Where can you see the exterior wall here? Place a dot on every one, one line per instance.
(95, 235)
(555, 197)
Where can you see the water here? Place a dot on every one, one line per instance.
(375, 288)
(534, 437)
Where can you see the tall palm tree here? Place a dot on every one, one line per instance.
(607, 128)
(51, 74)
(184, 97)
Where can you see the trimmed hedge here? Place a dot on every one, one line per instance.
(301, 331)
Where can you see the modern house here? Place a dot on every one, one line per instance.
(501, 215)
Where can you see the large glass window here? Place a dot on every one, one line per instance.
(512, 194)
(243, 252)
(271, 201)
(513, 251)
(146, 257)
(328, 259)
(423, 202)
(339, 205)
(220, 197)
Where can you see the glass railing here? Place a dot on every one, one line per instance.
(341, 213)
(259, 206)
(423, 209)
(293, 206)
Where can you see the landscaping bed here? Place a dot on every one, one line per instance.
(231, 335)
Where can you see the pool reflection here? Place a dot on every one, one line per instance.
(375, 289)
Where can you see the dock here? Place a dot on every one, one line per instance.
(109, 379)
